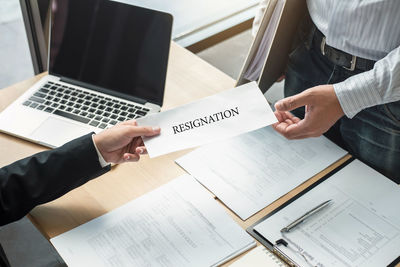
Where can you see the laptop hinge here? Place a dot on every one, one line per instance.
(103, 90)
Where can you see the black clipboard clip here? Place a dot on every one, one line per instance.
(277, 251)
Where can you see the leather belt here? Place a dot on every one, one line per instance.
(338, 57)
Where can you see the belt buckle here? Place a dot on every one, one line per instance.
(353, 58)
(352, 64)
(323, 43)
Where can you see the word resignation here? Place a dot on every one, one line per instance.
(206, 120)
(235, 111)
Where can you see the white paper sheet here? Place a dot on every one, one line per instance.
(251, 171)
(226, 114)
(259, 257)
(178, 224)
(360, 228)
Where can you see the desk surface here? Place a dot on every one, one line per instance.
(188, 78)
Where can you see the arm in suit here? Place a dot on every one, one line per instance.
(46, 176)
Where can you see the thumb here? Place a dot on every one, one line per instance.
(292, 102)
(135, 131)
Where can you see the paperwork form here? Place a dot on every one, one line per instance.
(360, 228)
(223, 115)
(178, 224)
(251, 171)
(259, 257)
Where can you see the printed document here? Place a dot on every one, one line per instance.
(226, 114)
(178, 224)
(259, 257)
(251, 171)
(360, 228)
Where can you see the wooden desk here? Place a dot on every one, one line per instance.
(188, 78)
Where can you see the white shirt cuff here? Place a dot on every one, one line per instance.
(357, 93)
(102, 162)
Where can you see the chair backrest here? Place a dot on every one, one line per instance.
(36, 15)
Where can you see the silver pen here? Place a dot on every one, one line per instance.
(305, 216)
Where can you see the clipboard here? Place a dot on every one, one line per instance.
(275, 245)
(289, 14)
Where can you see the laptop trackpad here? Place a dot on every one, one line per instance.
(55, 132)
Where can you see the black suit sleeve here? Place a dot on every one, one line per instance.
(46, 176)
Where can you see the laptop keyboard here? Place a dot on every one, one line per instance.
(89, 108)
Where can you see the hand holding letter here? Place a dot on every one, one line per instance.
(322, 111)
(123, 142)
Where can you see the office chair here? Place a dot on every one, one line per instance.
(36, 19)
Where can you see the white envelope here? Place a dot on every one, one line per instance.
(221, 116)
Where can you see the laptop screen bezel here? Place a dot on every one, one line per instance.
(168, 18)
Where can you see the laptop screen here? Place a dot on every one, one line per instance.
(114, 46)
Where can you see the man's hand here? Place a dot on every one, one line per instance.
(322, 110)
(281, 78)
(123, 142)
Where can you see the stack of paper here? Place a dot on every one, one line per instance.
(178, 224)
(251, 171)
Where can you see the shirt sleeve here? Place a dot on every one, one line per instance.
(378, 86)
(102, 161)
(259, 15)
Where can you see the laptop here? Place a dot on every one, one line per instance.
(107, 64)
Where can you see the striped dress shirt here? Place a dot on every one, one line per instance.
(364, 28)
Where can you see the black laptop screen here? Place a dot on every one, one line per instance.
(111, 45)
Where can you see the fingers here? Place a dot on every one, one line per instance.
(136, 131)
(284, 115)
(293, 102)
(281, 127)
(137, 146)
(128, 157)
(322, 110)
(136, 142)
(291, 117)
(141, 150)
(296, 119)
(279, 115)
(294, 128)
(130, 122)
(288, 130)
